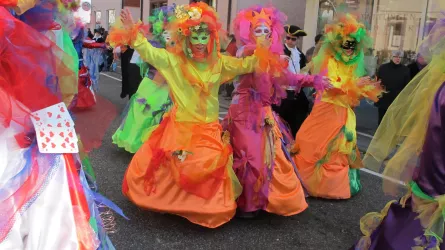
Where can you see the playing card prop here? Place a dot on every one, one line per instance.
(55, 130)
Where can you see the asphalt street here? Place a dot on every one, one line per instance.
(326, 224)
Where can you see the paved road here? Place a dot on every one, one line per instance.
(326, 224)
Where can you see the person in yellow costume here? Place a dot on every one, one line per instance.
(325, 149)
(185, 166)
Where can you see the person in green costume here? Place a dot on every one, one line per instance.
(147, 107)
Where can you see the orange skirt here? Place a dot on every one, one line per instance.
(331, 178)
(201, 188)
(286, 195)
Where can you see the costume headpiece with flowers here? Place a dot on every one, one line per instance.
(196, 17)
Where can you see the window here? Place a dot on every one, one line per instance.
(98, 16)
(159, 4)
(111, 17)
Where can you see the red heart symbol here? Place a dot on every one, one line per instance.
(37, 118)
(47, 140)
(62, 134)
(49, 125)
(43, 145)
(70, 134)
(59, 116)
(51, 134)
(67, 140)
(68, 124)
(63, 145)
(42, 134)
(62, 110)
(53, 145)
(59, 125)
(50, 114)
(72, 145)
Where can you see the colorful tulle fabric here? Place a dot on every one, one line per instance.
(23, 47)
(404, 126)
(48, 71)
(25, 186)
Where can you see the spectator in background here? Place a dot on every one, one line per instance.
(310, 52)
(126, 55)
(417, 66)
(297, 60)
(98, 36)
(295, 108)
(394, 76)
(90, 34)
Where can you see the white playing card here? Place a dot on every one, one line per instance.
(55, 130)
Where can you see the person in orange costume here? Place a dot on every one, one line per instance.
(325, 149)
(185, 166)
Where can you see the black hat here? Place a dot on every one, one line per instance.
(294, 30)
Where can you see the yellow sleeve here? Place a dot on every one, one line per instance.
(158, 58)
(232, 66)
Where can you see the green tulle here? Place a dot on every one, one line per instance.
(145, 112)
(70, 58)
(354, 181)
(88, 168)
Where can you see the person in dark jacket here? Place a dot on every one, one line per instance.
(126, 56)
(394, 76)
(90, 34)
(417, 66)
(295, 108)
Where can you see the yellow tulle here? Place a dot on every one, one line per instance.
(405, 123)
(369, 223)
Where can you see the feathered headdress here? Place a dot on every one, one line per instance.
(347, 27)
(159, 20)
(248, 18)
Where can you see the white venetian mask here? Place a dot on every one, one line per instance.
(167, 36)
(261, 30)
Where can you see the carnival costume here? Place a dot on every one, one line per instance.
(325, 149)
(147, 107)
(185, 166)
(413, 126)
(261, 160)
(42, 192)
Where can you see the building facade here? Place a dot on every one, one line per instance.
(105, 12)
(394, 24)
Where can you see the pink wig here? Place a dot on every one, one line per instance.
(243, 25)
